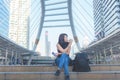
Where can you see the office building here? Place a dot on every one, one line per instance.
(4, 17)
(19, 22)
(106, 17)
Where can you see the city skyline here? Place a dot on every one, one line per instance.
(83, 29)
(30, 29)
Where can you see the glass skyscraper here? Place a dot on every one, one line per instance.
(106, 17)
(4, 17)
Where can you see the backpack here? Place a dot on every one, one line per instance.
(81, 63)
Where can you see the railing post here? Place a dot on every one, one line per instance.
(6, 56)
(104, 55)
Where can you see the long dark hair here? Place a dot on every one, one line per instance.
(61, 40)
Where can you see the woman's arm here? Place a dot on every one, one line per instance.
(66, 50)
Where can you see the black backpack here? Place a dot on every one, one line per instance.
(81, 63)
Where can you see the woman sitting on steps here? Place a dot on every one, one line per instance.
(63, 47)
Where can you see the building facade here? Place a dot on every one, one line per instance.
(19, 22)
(4, 17)
(106, 17)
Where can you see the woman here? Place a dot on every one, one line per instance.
(63, 47)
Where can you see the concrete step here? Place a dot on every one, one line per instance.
(48, 68)
(40, 61)
(105, 67)
(95, 75)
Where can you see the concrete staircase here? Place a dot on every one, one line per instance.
(99, 72)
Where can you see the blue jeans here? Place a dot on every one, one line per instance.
(63, 62)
